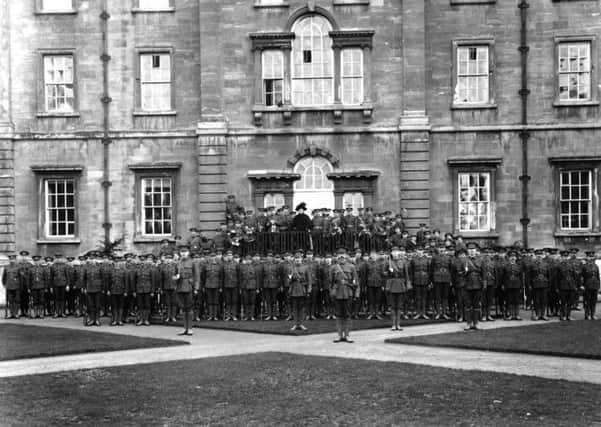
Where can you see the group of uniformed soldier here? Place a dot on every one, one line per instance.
(447, 282)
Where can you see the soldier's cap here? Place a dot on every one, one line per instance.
(512, 252)
(548, 250)
(269, 253)
(394, 248)
(328, 255)
(341, 251)
(539, 251)
(70, 258)
(117, 257)
(590, 253)
(421, 224)
(300, 206)
(387, 212)
(229, 252)
(196, 255)
(183, 247)
(256, 255)
(553, 251)
(448, 235)
(285, 207)
(472, 245)
(36, 257)
(249, 211)
(564, 252)
(457, 236)
(369, 209)
(574, 250)
(309, 252)
(327, 210)
(82, 257)
(190, 229)
(529, 250)
(230, 196)
(24, 253)
(436, 230)
(58, 255)
(287, 254)
(12, 256)
(213, 253)
(360, 209)
(142, 256)
(419, 247)
(349, 208)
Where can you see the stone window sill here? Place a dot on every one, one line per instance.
(478, 235)
(590, 103)
(140, 113)
(70, 241)
(288, 110)
(138, 10)
(473, 106)
(56, 12)
(564, 233)
(351, 2)
(259, 5)
(460, 2)
(150, 239)
(49, 114)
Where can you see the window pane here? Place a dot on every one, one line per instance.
(57, 5)
(153, 4)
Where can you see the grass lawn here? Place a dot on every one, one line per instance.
(282, 389)
(580, 338)
(23, 341)
(282, 327)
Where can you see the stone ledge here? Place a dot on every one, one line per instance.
(140, 113)
(576, 234)
(58, 241)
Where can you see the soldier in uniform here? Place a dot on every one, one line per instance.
(539, 278)
(553, 291)
(300, 287)
(194, 241)
(231, 285)
(49, 308)
(168, 270)
(398, 281)
(36, 281)
(60, 283)
(11, 278)
(313, 304)
(70, 289)
(512, 283)
(440, 267)
(270, 285)
(375, 270)
(568, 276)
(489, 276)
(24, 267)
(131, 266)
(212, 283)
(79, 284)
(145, 289)
(284, 295)
(93, 288)
(187, 277)
(590, 279)
(420, 279)
(117, 290)
(249, 286)
(500, 261)
(473, 286)
(325, 279)
(344, 282)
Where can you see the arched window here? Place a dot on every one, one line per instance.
(313, 62)
(313, 172)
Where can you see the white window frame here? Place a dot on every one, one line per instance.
(46, 6)
(48, 220)
(468, 72)
(460, 204)
(154, 5)
(354, 200)
(276, 200)
(271, 71)
(147, 82)
(589, 200)
(312, 169)
(581, 72)
(154, 206)
(349, 73)
(66, 83)
(326, 76)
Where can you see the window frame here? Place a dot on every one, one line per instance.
(489, 201)
(42, 174)
(343, 77)
(273, 195)
(263, 79)
(590, 173)
(137, 9)
(143, 218)
(475, 165)
(474, 42)
(563, 164)
(592, 40)
(41, 86)
(353, 195)
(144, 171)
(149, 50)
(39, 9)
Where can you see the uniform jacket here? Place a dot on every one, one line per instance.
(513, 275)
(398, 278)
(440, 268)
(60, 274)
(489, 273)
(213, 274)
(539, 275)
(231, 274)
(271, 275)
(420, 271)
(168, 270)
(189, 277)
(250, 275)
(375, 273)
(118, 279)
(344, 280)
(11, 277)
(93, 277)
(568, 275)
(300, 280)
(590, 276)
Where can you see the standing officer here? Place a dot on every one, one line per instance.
(79, 285)
(12, 282)
(60, 283)
(300, 286)
(313, 297)
(489, 277)
(440, 267)
(473, 286)
(590, 278)
(539, 283)
(270, 285)
(188, 283)
(420, 279)
(512, 283)
(169, 285)
(24, 267)
(117, 290)
(344, 282)
(249, 286)
(93, 280)
(398, 281)
(211, 279)
(568, 276)
(231, 285)
(375, 278)
(37, 285)
(49, 308)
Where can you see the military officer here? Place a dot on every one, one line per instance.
(249, 286)
(24, 267)
(12, 282)
(60, 284)
(590, 279)
(36, 283)
(300, 286)
(93, 283)
(168, 271)
(117, 290)
(344, 282)
(474, 284)
(212, 282)
(145, 289)
(231, 285)
(489, 277)
(539, 279)
(49, 308)
(374, 284)
(398, 282)
(568, 277)
(420, 279)
(512, 283)
(270, 285)
(187, 277)
(440, 268)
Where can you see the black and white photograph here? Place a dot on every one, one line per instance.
(300, 213)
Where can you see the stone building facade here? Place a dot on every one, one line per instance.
(136, 118)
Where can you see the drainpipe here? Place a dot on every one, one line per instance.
(524, 133)
(106, 141)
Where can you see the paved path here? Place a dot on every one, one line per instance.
(369, 345)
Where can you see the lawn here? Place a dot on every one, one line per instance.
(580, 338)
(283, 389)
(282, 327)
(23, 341)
